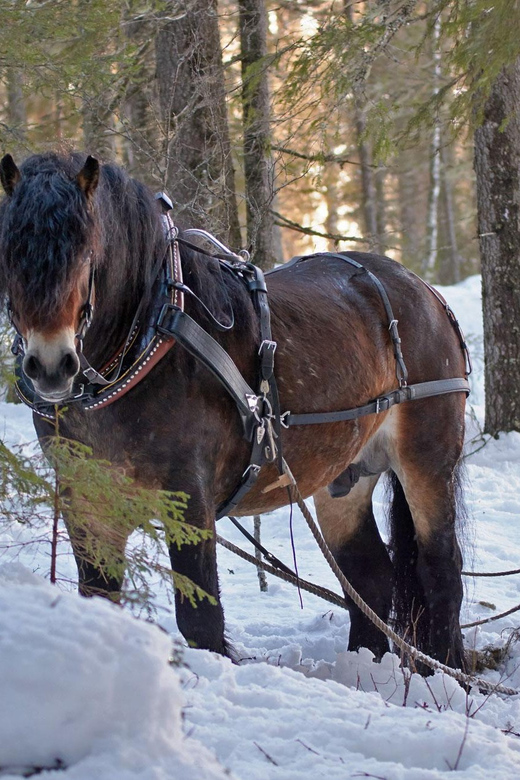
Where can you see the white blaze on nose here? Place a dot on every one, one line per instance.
(50, 348)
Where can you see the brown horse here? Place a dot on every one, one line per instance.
(65, 218)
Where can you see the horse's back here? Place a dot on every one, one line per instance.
(323, 291)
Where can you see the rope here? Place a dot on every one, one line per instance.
(490, 573)
(319, 590)
(316, 590)
(492, 618)
(333, 598)
(399, 642)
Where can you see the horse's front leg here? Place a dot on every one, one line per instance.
(99, 550)
(201, 625)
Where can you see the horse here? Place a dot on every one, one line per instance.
(74, 232)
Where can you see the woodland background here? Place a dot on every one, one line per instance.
(290, 127)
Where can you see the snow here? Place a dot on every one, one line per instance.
(88, 690)
(86, 686)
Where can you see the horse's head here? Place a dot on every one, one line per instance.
(47, 240)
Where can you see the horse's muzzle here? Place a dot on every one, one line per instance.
(52, 379)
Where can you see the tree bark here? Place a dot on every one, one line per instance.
(197, 149)
(430, 260)
(140, 121)
(368, 182)
(258, 161)
(98, 128)
(411, 210)
(497, 165)
(450, 271)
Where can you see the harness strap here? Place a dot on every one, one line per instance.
(273, 560)
(401, 370)
(454, 321)
(175, 323)
(383, 403)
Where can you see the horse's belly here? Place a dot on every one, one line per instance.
(316, 455)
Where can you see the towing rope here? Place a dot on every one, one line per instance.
(490, 573)
(409, 650)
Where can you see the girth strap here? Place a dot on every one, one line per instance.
(383, 403)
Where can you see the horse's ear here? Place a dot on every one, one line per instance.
(9, 174)
(88, 177)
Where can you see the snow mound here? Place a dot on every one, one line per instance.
(87, 686)
(270, 725)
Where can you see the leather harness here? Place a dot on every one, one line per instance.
(259, 410)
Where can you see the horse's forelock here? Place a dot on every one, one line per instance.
(46, 231)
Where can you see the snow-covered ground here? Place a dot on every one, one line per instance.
(87, 692)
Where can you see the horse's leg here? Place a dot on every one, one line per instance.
(427, 556)
(351, 533)
(201, 625)
(99, 551)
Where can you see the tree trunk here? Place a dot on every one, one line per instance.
(258, 161)
(380, 181)
(98, 128)
(411, 211)
(430, 260)
(368, 183)
(450, 271)
(497, 165)
(139, 115)
(333, 201)
(190, 78)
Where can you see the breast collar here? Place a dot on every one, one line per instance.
(143, 348)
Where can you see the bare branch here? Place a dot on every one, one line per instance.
(320, 158)
(288, 223)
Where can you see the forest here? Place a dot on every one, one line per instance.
(286, 128)
(295, 127)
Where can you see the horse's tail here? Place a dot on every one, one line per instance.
(408, 595)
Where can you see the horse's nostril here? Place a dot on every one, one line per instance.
(69, 364)
(32, 367)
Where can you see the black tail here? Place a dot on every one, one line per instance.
(410, 610)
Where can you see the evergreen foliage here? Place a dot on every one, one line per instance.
(105, 503)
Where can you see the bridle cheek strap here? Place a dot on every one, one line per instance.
(85, 320)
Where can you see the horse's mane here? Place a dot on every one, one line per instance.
(47, 228)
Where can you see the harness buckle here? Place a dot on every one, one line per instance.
(267, 344)
(382, 404)
(17, 345)
(252, 471)
(166, 330)
(85, 321)
(283, 418)
(252, 402)
(266, 352)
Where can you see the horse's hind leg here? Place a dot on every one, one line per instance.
(427, 557)
(350, 530)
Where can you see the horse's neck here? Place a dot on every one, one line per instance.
(115, 306)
